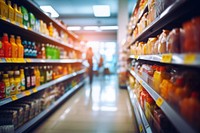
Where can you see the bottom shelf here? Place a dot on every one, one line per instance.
(32, 122)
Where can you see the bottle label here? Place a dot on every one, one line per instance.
(33, 80)
(7, 91)
(2, 87)
(41, 79)
(26, 17)
(13, 89)
(28, 82)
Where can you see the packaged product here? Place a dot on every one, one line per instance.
(162, 42)
(9, 117)
(161, 5)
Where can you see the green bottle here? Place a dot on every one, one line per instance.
(25, 16)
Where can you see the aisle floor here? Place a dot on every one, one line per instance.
(101, 108)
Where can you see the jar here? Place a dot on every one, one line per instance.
(162, 42)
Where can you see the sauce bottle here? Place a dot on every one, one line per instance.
(3, 9)
(1, 49)
(20, 47)
(14, 47)
(7, 46)
(7, 84)
(2, 87)
(27, 78)
(10, 12)
(22, 80)
(17, 81)
(13, 90)
(33, 79)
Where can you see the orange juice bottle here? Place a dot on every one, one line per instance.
(3, 9)
(20, 47)
(10, 12)
(14, 47)
(7, 46)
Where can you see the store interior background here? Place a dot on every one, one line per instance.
(79, 14)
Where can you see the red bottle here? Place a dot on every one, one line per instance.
(7, 46)
(1, 49)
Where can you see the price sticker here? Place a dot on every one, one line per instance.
(28, 60)
(166, 58)
(159, 102)
(8, 60)
(13, 22)
(14, 60)
(137, 57)
(140, 128)
(3, 18)
(14, 97)
(27, 93)
(35, 90)
(140, 81)
(189, 58)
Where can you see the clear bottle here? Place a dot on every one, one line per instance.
(3, 9)
(7, 46)
(20, 47)
(14, 47)
(7, 84)
(22, 79)
(10, 12)
(17, 81)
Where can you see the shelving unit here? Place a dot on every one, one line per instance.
(173, 116)
(44, 113)
(141, 118)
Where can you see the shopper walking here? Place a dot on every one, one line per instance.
(89, 57)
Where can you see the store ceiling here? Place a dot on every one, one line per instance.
(80, 12)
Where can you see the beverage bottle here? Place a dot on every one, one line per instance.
(10, 12)
(25, 16)
(27, 78)
(20, 47)
(37, 75)
(50, 72)
(25, 44)
(2, 87)
(14, 47)
(22, 79)
(41, 75)
(47, 51)
(17, 81)
(7, 46)
(20, 16)
(39, 50)
(29, 45)
(1, 49)
(34, 51)
(3, 9)
(43, 52)
(33, 79)
(50, 29)
(45, 74)
(16, 14)
(7, 84)
(32, 20)
(13, 90)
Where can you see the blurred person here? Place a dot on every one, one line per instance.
(100, 64)
(89, 57)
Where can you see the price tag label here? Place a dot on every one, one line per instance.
(166, 58)
(189, 58)
(14, 60)
(27, 93)
(137, 57)
(140, 81)
(35, 90)
(8, 59)
(28, 60)
(140, 128)
(13, 22)
(14, 97)
(159, 102)
(0, 60)
(3, 18)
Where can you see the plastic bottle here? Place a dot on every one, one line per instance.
(1, 49)
(7, 46)
(2, 87)
(16, 14)
(20, 47)
(13, 90)
(34, 50)
(22, 80)
(47, 51)
(10, 12)
(27, 78)
(29, 46)
(17, 81)
(14, 47)
(20, 16)
(3, 9)
(33, 78)
(37, 75)
(25, 44)
(32, 20)
(25, 16)
(43, 51)
(42, 81)
(7, 84)
(50, 28)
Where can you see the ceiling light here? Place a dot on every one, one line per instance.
(49, 9)
(74, 28)
(101, 10)
(108, 27)
(91, 28)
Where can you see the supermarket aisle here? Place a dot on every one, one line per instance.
(102, 109)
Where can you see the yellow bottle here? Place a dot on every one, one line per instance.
(37, 75)
(17, 81)
(10, 12)
(20, 16)
(16, 14)
(7, 84)
(22, 80)
(14, 47)
(3, 9)
(20, 47)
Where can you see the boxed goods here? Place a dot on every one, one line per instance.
(9, 117)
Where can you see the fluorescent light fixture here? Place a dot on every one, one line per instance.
(108, 27)
(49, 9)
(101, 10)
(91, 28)
(73, 28)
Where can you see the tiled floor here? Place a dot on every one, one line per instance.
(102, 108)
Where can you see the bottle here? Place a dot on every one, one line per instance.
(20, 47)
(2, 87)
(3, 9)
(25, 17)
(27, 78)
(20, 16)
(7, 46)
(42, 81)
(14, 47)
(17, 81)
(33, 79)
(16, 14)
(45, 74)
(1, 49)
(37, 75)
(50, 28)
(47, 51)
(22, 79)
(10, 12)
(43, 52)
(39, 50)
(34, 51)
(7, 84)
(13, 90)
(25, 44)
(29, 45)
(32, 20)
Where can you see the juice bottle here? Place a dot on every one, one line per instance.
(43, 52)
(3, 9)
(16, 14)
(7, 84)
(20, 47)
(7, 46)
(25, 44)
(1, 49)
(37, 75)
(27, 78)
(2, 87)
(29, 45)
(25, 16)
(32, 20)
(13, 90)
(33, 78)
(10, 12)
(14, 47)
(20, 16)
(34, 50)
(17, 81)
(22, 80)
(42, 81)
(45, 74)
(50, 29)
(47, 51)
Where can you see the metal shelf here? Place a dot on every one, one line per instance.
(42, 87)
(33, 121)
(181, 125)
(180, 59)
(141, 118)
